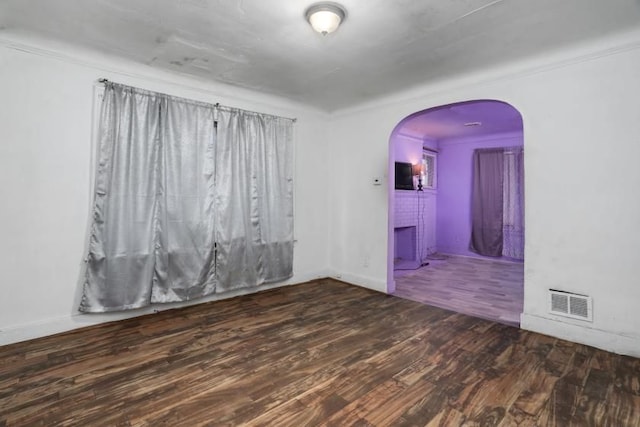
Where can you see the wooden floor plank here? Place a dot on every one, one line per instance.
(320, 353)
(481, 287)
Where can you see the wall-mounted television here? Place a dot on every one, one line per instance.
(404, 176)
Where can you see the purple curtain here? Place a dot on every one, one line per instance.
(487, 202)
(513, 215)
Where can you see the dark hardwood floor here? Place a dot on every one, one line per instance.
(321, 353)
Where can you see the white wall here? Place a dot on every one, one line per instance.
(45, 175)
(581, 115)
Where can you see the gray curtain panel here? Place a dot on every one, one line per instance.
(121, 259)
(185, 256)
(486, 203)
(513, 209)
(254, 224)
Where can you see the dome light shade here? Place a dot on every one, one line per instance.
(326, 17)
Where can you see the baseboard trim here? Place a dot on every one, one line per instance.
(604, 340)
(362, 281)
(482, 258)
(56, 325)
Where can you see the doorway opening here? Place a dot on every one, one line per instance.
(456, 209)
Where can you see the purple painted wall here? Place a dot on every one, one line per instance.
(413, 219)
(453, 214)
(407, 149)
(445, 130)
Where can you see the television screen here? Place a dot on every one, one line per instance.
(404, 176)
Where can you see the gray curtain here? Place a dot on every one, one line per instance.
(254, 225)
(121, 246)
(185, 256)
(180, 213)
(152, 232)
(486, 203)
(513, 207)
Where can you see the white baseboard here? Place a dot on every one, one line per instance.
(42, 328)
(604, 340)
(362, 281)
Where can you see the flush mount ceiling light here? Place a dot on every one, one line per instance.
(325, 17)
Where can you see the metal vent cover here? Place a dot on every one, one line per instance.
(571, 305)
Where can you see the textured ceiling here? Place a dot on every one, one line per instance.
(441, 123)
(384, 46)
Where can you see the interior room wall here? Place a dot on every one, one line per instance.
(407, 149)
(455, 173)
(580, 110)
(46, 113)
(580, 114)
(412, 209)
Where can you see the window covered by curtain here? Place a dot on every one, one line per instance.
(513, 210)
(184, 245)
(255, 198)
(486, 203)
(498, 202)
(158, 210)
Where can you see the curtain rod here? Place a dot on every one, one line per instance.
(216, 105)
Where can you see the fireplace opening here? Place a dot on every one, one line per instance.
(405, 240)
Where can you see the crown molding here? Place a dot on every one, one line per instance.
(120, 67)
(515, 70)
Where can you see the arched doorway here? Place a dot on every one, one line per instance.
(457, 237)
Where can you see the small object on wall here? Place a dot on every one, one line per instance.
(377, 180)
(404, 176)
(569, 304)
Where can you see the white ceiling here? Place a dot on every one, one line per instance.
(384, 46)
